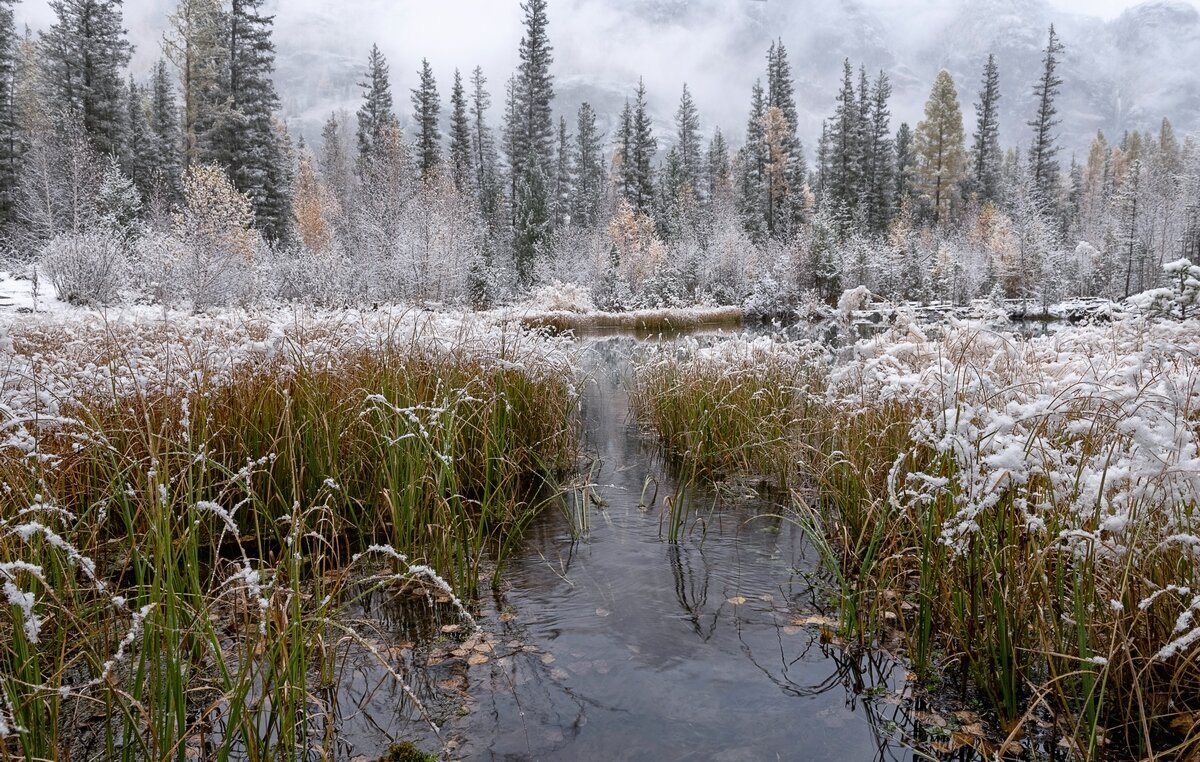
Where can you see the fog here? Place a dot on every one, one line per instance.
(718, 47)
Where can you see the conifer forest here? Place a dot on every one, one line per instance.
(538, 413)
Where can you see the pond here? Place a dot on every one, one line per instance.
(609, 642)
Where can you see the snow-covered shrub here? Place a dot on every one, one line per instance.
(562, 297)
(212, 264)
(308, 276)
(1179, 300)
(87, 268)
(852, 301)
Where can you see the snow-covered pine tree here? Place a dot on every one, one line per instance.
(483, 149)
(752, 162)
(84, 55)
(640, 151)
(986, 155)
(375, 117)
(166, 157)
(195, 46)
(687, 143)
(717, 169)
(842, 188)
(564, 171)
(587, 195)
(335, 161)
(137, 149)
(246, 140)
(461, 166)
(426, 108)
(1043, 152)
(10, 140)
(531, 138)
(880, 161)
(940, 149)
(906, 161)
(781, 93)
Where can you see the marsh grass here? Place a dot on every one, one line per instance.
(1020, 515)
(186, 503)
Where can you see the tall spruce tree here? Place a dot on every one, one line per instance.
(483, 150)
(167, 139)
(531, 139)
(84, 55)
(717, 168)
(687, 143)
(845, 155)
(1043, 153)
(940, 148)
(375, 117)
(752, 164)
(194, 44)
(879, 159)
(781, 94)
(906, 161)
(986, 154)
(639, 155)
(427, 107)
(138, 146)
(461, 166)
(10, 139)
(246, 139)
(564, 175)
(587, 195)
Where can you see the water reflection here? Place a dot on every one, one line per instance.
(607, 642)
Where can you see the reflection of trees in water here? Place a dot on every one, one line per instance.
(691, 586)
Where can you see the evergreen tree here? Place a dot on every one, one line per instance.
(639, 151)
(137, 149)
(752, 162)
(532, 222)
(564, 170)
(84, 55)
(246, 139)
(718, 172)
(426, 108)
(789, 209)
(687, 143)
(879, 159)
(334, 160)
(587, 195)
(531, 128)
(194, 45)
(939, 145)
(906, 161)
(10, 140)
(1043, 153)
(845, 155)
(985, 152)
(461, 165)
(167, 140)
(483, 150)
(375, 116)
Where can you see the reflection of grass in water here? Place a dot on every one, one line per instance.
(1014, 512)
(177, 550)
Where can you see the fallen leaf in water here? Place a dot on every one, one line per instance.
(559, 674)
(736, 600)
(449, 628)
(459, 652)
(965, 717)
(548, 659)
(484, 648)
(602, 612)
(454, 683)
(932, 719)
(529, 649)
(507, 617)
(476, 659)
(792, 630)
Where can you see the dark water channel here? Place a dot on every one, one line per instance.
(608, 642)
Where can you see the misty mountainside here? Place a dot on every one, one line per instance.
(1119, 75)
